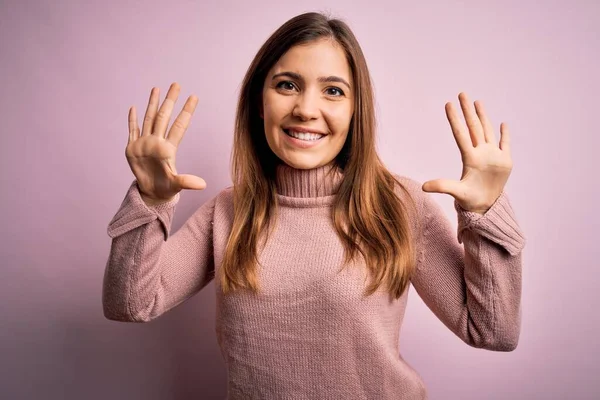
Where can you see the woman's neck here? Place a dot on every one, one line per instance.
(305, 183)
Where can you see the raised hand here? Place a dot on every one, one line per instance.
(486, 165)
(151, 155)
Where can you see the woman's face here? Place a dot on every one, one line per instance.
(308, 102)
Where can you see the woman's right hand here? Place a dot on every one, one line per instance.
(151, 155)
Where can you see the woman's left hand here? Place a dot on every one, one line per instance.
(486, 166)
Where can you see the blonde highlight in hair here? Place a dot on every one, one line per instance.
(370, 219)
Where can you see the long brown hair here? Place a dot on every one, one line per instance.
(369, 217)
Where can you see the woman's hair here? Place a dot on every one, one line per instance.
(369, 217)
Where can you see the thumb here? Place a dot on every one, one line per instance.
(186, 181)
(446, 186)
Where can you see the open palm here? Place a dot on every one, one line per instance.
(151, 155)
(486, 165)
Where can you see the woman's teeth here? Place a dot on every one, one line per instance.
(304, 135)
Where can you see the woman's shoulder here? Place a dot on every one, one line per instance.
(407, 185)
(225, 194)
(224, 199)
(407, 181)
(219, 207)
(410, 191)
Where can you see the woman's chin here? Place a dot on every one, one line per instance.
(303, 162)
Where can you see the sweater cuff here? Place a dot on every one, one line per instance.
(134, 212)
(498, 224)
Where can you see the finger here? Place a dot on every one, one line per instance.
(472, 120)
(190, 182)
(150, 112)
(488, 128)
(504, 138)
(182, 121)
(445, 186)
(134, 129)
(164, 112)
(460, 136)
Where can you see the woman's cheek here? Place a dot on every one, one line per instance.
(339, 120)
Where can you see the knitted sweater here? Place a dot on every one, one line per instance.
(311, 333)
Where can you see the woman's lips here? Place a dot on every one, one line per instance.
(300, 143)
(302, 130)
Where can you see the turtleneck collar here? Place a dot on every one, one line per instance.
(308, 183)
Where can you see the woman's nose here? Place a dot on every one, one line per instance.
(306, 107)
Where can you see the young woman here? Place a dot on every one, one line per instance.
(315, 245)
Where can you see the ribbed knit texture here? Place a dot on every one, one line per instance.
(311, 333)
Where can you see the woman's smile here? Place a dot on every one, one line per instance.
(303, 140)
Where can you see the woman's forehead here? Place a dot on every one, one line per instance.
(315, 59)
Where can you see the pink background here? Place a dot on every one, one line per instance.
(70, 70)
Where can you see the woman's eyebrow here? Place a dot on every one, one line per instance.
(325, 79)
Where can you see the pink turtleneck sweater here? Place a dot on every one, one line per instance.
(310, 333)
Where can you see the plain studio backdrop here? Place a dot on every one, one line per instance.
(70, 71)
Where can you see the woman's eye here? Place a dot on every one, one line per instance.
(334, 91)
(286, 85)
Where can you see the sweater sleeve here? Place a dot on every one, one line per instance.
(471, 279)
(149, 271)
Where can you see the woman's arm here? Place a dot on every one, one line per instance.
(149, 272)
(476, 290)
